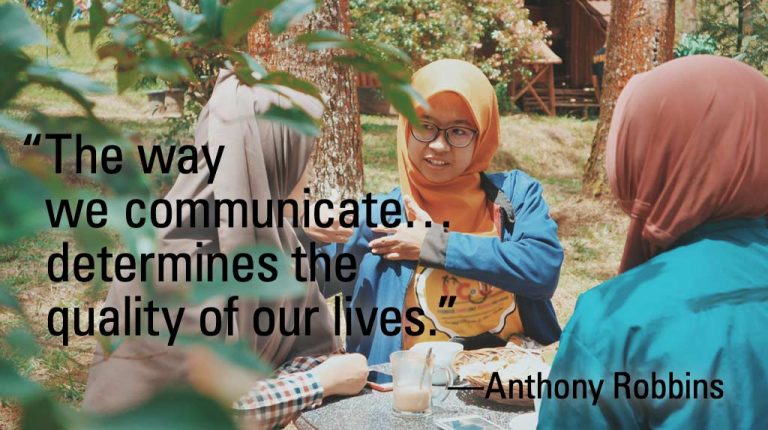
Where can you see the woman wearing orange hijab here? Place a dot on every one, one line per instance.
(491, 243)
(679, 338)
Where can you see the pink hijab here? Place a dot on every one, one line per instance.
(688, 143)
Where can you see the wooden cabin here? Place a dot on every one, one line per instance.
(579, 28)
(561, 76)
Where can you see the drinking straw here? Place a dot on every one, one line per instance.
(427, 365)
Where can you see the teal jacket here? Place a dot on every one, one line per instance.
(525, 260)
(699, 311)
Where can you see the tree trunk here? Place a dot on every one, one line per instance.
(747, 18)
(338, 158)
(739, 25)
(687, 21)
(641, 36)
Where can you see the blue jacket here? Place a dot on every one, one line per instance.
(693, 315)
(525, 261)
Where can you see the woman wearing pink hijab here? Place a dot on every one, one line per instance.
(679, 338)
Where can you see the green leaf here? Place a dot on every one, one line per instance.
(14, 386)
(284, 284)
(137, 240)
(418, 98)
(188, 21)
(96, 133)
(44, 412)
(128, 20)
(63, 16)
(385, 69)
(323, 39)
(159, 48)
(45, 74)
(7, 299)
(213, 12)
(127, 79)
(241, 15)
(22, 215)
(362, 65)
(18, 129)
(108, 344)
(245, 76)
(18, 30)
(98, 19)
(113, 50)
(402, 101)
(294, 118)
(287, 80)
(289, 12)
(5, 161)
(392, 51)
(23, 342)
(381, 59)
(112, 7)
(387, 63)
(168, 68)
(245, 68)
(73, 84)
(10, 80)
(127, 64)
(127, 36)
(171, 409)
(247, 60)
(91, 240)
(93, 131)
(130, 180)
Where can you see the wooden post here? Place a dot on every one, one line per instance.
(551, 85)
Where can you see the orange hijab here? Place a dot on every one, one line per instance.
(688, 144)
(460, 201)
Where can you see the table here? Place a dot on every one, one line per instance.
(542, 71)
(373, 410)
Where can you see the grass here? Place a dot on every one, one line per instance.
(553, 150)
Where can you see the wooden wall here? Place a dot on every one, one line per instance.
(587, 36)
(556, 14)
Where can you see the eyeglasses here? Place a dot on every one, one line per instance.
(458, 137)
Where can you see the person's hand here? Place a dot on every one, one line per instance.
(343, 374)
(404, 243)
(334, 233)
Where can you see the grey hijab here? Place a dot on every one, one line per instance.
(262, 160)
(272, 161)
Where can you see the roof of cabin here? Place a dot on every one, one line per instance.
(601, 9)
(544, 54)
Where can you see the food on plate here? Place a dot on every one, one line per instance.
(508, 367)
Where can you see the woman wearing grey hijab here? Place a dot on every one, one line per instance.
(261, 161)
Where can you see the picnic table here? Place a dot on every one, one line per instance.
(542, 69)
(373, 410)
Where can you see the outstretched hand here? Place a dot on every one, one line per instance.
(403, 242)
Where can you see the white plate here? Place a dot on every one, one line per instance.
(527, 421)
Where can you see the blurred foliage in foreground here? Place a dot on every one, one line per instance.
(167, 47)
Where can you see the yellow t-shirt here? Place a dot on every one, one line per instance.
(478, 307)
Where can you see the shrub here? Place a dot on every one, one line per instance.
(496, 35)
(695, 44)
(745, 39)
